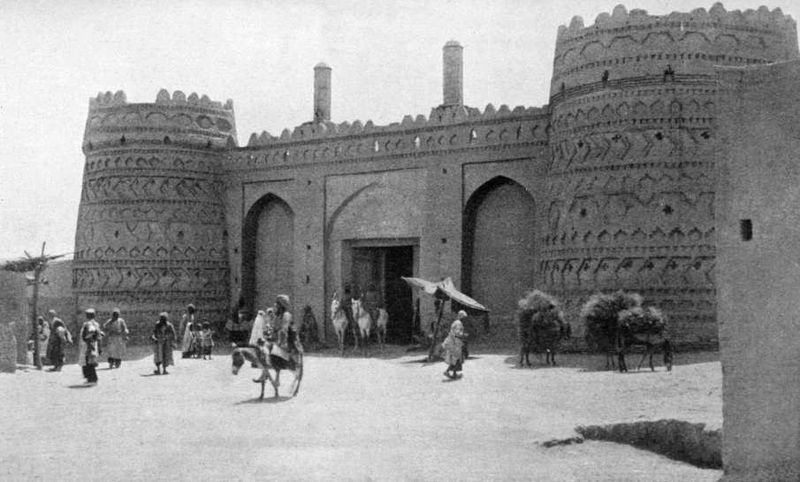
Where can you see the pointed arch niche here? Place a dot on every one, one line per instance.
(499, 250)
(267, 252)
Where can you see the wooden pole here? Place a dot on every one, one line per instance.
(37, 272)
(436, 330)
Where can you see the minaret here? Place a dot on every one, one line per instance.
(322, 92)
(453, 73)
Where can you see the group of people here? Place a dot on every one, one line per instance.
(198, 337)
(53, 338)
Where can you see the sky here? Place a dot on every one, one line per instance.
(386, 58)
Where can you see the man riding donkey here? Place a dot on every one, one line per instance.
(280, 336)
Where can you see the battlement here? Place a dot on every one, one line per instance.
(762, 19)
(163, 98)
(442, 115)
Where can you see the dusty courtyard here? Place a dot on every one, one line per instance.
(387, 418)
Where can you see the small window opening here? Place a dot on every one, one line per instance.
(308, 279)
(444, 240)
(583, 212)
(473, 135)
(376, 147)
(746, 229)
(416, 142)
(167, 140)
(116, 234)
(308, 247)
(667, 210)
(225, 233)
(122, 140)
(659, 136)
(444, 171)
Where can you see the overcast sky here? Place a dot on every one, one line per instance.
(386, 58)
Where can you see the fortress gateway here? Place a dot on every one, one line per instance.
(610, 186)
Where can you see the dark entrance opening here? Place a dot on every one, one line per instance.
(381, 268)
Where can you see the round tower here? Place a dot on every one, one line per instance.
(631, 199)
(151, 227)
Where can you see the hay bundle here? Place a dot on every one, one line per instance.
(601, 312)
(640, 320)
(539, 311)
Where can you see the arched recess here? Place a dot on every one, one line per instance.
(499, 250)
(267, 252)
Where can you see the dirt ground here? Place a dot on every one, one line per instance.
(382, 418)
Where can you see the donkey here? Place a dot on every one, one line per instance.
(645, 327)
(380, 326)
(541, 331)
(260, 359)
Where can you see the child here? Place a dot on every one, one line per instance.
(453, 346)
(207, 340)
(197, 340)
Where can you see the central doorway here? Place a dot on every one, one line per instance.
(379, 265)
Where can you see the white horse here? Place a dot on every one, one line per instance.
(380, 326)
(364, 322)
(339, 321)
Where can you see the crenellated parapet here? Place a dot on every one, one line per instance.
(636, 44)
(191, 122)
(439, 117)
(448, 128)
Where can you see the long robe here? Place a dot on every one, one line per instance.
(187, 322)
(89, 343)
(257, 332)
(116, 334)
(53, 342)
(163, 339)
(453, 345)
(56, 350)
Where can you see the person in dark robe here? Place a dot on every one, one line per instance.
(60, 337)
(163, 344)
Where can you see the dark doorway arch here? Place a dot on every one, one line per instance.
(267, 252)
(498, 250)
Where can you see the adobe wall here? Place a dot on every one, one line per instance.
(151, 234)
(631, 187)
(407, 181)
(14, 321)
(758, 279)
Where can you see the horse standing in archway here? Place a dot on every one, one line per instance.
(339, 322)
(364, 323)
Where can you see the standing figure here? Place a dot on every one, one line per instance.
(89, 346)
(372, 302)
(239, 329)
(52, 341)
(43, 336)
(258, 329)
(116, 331)
(163, 343)
(56, 350)
(288, 344)
(453, 347)
(207, 340)
(187, 328)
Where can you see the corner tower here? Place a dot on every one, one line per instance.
(631, 192)
(151, 225)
